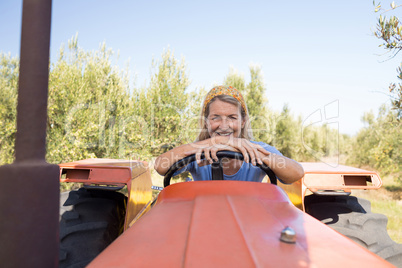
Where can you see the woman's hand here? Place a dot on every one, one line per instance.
(249, 150)
(285, 168)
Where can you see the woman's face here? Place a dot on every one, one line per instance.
(224, 119)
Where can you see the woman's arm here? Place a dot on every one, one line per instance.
(166, 160)
(288, 170)
(285, 168)
(209, 147)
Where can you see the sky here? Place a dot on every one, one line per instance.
(318, 57)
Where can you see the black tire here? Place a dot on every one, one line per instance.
(89, 221)
(352, 217)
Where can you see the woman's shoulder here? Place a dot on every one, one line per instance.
(258, 142)
(267, 147)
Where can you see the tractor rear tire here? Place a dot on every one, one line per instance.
(89, 221)
(352, 217)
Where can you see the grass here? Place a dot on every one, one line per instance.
(388, 201)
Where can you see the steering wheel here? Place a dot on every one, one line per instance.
(216, 166)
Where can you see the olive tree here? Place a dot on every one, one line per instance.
(389, 31)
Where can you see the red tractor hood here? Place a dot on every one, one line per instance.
(230, 224)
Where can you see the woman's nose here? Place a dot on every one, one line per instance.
(224, 124)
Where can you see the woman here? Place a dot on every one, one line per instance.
(225, 125)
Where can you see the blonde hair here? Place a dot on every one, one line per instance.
(246, 131)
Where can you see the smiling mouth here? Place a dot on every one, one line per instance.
(224, 134)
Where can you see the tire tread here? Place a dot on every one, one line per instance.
(352, 217)
(89, 221)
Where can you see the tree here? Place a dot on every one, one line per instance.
(390, 32)
(258, 106)
(378, 144)
(9, 73)
(235, 80)
(94, 113)
(167, 108)
(88, 100)
(286, 134)
(254, 95)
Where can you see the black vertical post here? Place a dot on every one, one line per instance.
(33, 80)
(29, 188)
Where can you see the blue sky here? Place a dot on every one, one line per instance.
(315, 55)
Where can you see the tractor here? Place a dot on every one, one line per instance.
(115, 220)
(220, 223)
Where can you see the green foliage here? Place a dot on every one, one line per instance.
(379, 144)
(286, 134)
(305, 141)
(88, 100)
(389, 31)
(396, 94)
(9, 69)
(93, 112)
(167, 110)
(253, 94)
(257, 105)
(235, 80)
